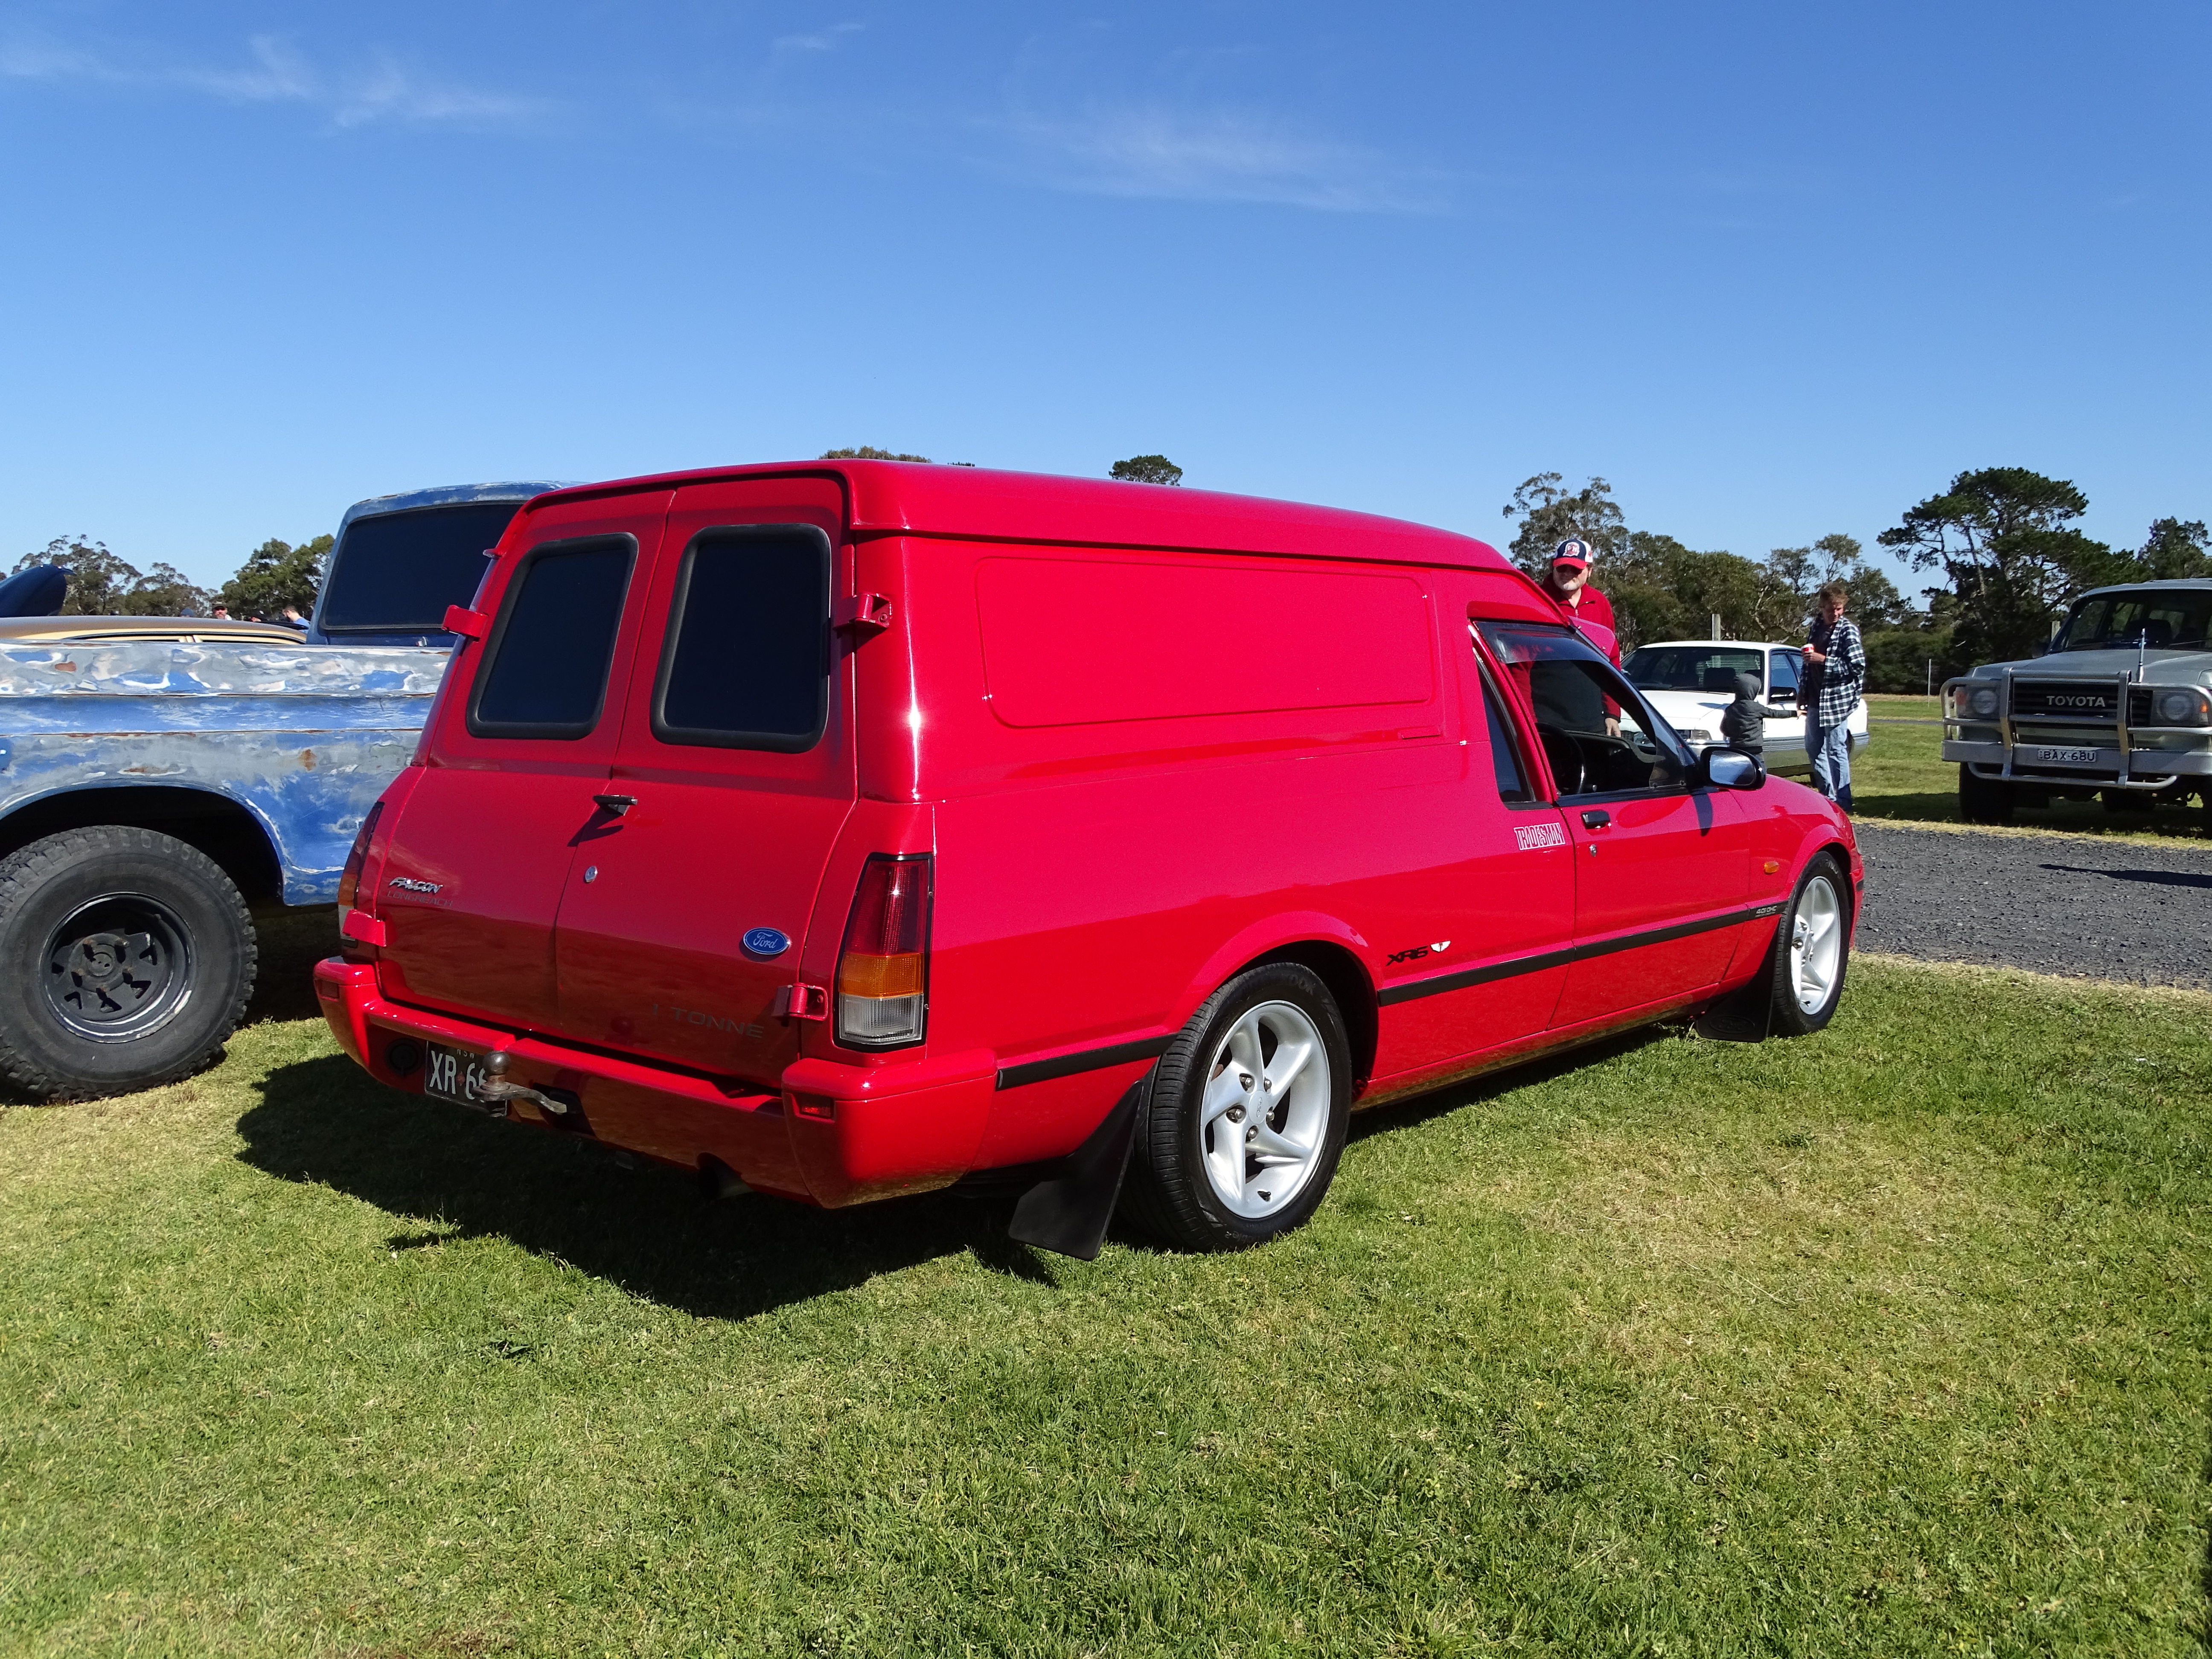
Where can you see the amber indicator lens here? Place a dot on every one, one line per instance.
(349, 881)
(882, 969)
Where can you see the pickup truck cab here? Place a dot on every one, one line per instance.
(163, 777)
(841, 830)
(2120, 708)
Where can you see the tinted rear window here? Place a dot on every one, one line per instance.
(545, 665)
(397, 572)
(746, 665)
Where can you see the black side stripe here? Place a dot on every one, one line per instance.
(1534, 964)
(1120, 1054)
(1086, 1060)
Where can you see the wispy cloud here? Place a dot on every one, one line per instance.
(382, 89)
(827, 39)
(1222, 157)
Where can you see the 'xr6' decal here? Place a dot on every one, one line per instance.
(1417, 951)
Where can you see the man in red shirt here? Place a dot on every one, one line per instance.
(1578, 601)
(1584, 608)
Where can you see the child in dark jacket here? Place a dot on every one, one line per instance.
(1743, 723)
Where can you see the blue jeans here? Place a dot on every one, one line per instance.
(1830, 750)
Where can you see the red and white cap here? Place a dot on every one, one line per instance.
(1574, 553)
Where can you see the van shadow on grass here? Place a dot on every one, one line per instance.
(645, 1229)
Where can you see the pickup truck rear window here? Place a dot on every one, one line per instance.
(397, 572)
(746, 661)
(544, 672)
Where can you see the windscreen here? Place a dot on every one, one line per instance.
(2158, 618)
(1690, 668)
(397, 572)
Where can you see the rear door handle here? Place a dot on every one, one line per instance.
(619, 805)
(1596, 817)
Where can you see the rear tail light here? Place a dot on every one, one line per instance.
(349, 879)
(883, 967)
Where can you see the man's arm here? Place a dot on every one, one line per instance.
(1848, 652)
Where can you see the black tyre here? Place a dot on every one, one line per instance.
(1812, 949)
(1981, 800)
(131, 958)
(1239, 1137)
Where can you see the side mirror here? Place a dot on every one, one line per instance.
(1730, 768)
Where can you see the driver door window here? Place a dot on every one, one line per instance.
(1598, 736)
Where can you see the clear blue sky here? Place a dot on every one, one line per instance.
(1774, 271)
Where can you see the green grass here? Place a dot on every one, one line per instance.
(1893, 1340)
(1902, 775)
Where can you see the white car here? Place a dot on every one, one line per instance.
(1692, 682)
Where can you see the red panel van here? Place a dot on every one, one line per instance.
(844, 830)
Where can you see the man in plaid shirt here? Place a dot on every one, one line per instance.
(1835, 671)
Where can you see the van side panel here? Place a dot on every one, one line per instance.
(1074, 640)
(1220, 817)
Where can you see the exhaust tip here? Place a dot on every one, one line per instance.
(718, 1181)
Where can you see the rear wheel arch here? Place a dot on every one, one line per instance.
(224, 829)
(1349, 984)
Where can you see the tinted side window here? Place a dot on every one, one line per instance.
(397, 572)
(746, 662)
(1599, 735)
(1504, 758)
(1784, 663)
(545, 673)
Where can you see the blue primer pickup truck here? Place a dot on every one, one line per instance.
(159, 775)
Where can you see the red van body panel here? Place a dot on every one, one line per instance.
(1144, 738)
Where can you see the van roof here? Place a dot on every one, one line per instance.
(928, 499)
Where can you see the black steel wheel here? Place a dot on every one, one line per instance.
(1244, 1124)
(136, 959)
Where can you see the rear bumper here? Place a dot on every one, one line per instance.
(832, 1134)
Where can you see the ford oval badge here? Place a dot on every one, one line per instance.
(766, 942)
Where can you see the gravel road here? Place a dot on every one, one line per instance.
(2054, 904)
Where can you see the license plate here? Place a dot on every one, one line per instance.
(2066, 757)
(453, 1073)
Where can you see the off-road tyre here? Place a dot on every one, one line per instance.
(1823, 898)
(130, 957)
(1168, 1192)
(1982, 800)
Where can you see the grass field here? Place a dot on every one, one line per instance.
(1893, 1340)
(1902, 775)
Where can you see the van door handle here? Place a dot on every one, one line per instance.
(1596, 818)
(619, 805)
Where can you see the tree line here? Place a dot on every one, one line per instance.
(2002, 537)
(101, 583)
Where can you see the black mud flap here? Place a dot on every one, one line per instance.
(1067, 1212)
(1741, 1016)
